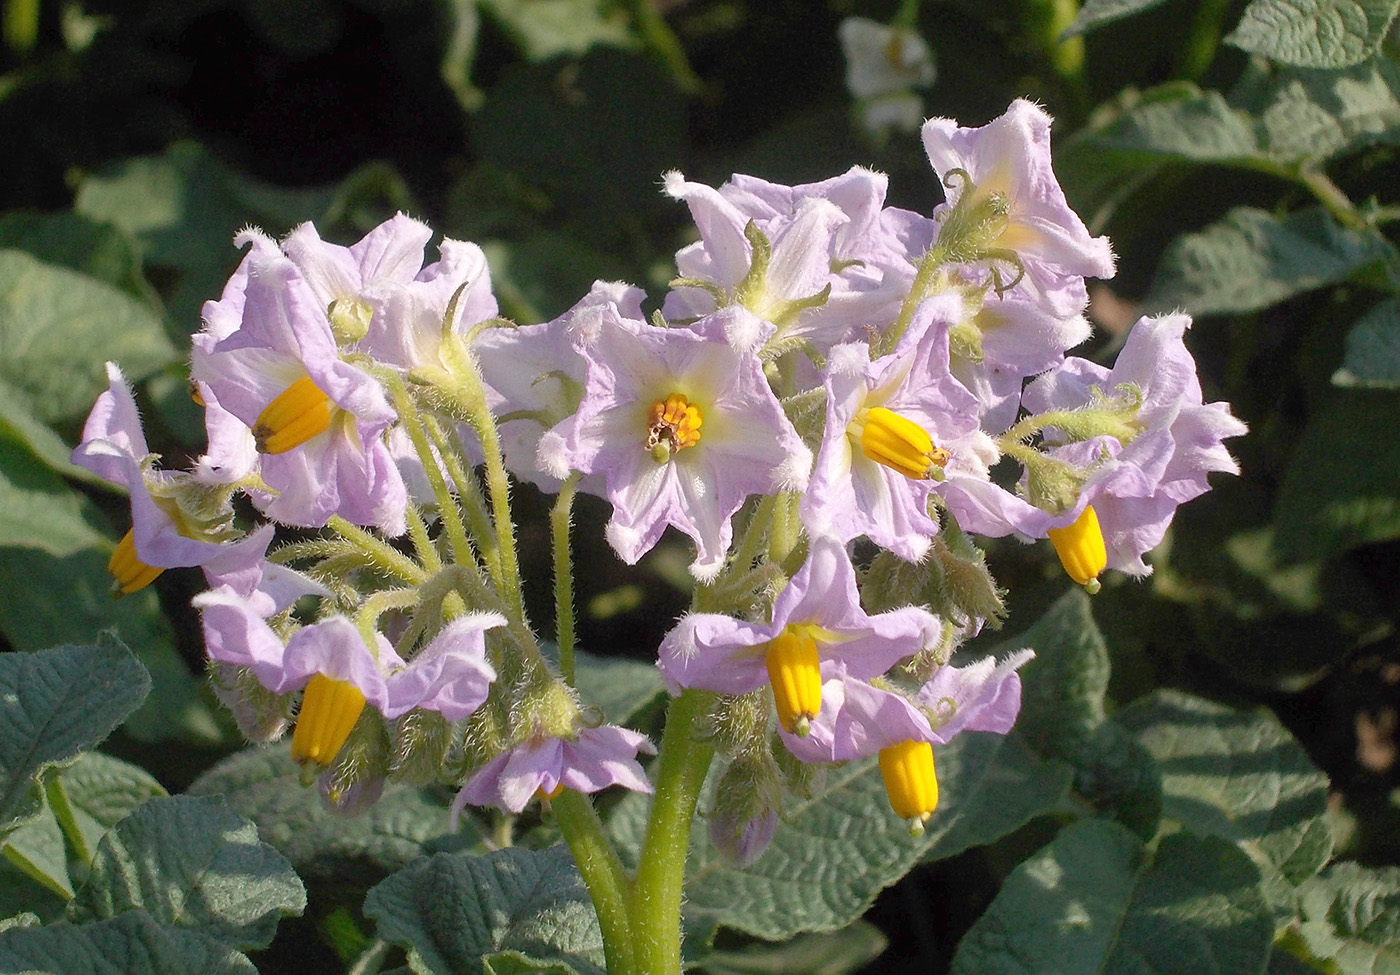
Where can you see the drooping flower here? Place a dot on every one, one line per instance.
(319, 421)
(1004, 200)
(682, 427)
(590, 761)
(339, 673)
(816, 618)
(892, 426)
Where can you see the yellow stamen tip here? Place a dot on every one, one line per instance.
(298, 413)
(794, 670)
(898, 443)
(672, 424)
(329, 710)
(910, 781)
(1080, 547)
(127, 568)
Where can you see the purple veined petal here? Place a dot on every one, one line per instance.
(112, 434)
(333, 647)
(531, 768)
(856, 720)
(235, 633)
(392, 251)
(606, 756)
(983, 696)
(232, 453)
(714, 652)
(450, 675)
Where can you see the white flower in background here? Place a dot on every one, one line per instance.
(883, 66)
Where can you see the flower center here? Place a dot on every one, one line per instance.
(910, 782)
(1081, 549)
(329, 709)
(129, 571)
(897, 442)
(674, 424)
(794, 670)
(298, 413)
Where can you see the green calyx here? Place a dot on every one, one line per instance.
(972, 229)
(1105, 415)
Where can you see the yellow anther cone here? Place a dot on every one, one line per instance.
(910, 782)
(1080, 547)
(329, 710)
(899, 443)
(794, 670)
(298, 413)
(129, 571)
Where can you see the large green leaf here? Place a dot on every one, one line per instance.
(1317, 115)
(100, 791)
(1373, 349)
(46, 600)
(836, 850)
(544, 28)
(1096, 902)
(131, 944)
(512, 910)
(1252, 259)
(1314, 33)
(1351, 914)
(264, 785)
(38, 849)
(55, 704)
(1239, 776)
(19, 426)
(37, 509)
(1340, 490)
(57, 327)
(192, 862)
(619, 688)
(80, 243)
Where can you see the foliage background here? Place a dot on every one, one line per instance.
(1250, 182)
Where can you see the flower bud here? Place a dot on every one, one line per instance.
(748, 800)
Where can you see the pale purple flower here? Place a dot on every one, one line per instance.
(858, 719)
(450, 675)
(283, 336)
(659, 471)
(593, 760)
(720, 653)
(821, 235)
(851, 495)
(1010, 158)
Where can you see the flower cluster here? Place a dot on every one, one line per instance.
(824, 369)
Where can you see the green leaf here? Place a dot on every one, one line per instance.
(1351, 914)
(57, 327)
(1314, 33)
(544, 28)
(835, 851)
(194, 863)
(527, 909)
(102, 791)
(1095, 901)
(1176, 123)
(1062, 689)
(38, 849)
(264, 785)
(1252, 260)
(55, 704)
(82, 244)
(132, 944)
(1373, 349)
(20, 427)
(621, 689)
(1096, 13)
(1239, 776)
(1339, 490)
(37, 509)
(1318, 115)
(828, 953)
(183, 207)
(46, 600)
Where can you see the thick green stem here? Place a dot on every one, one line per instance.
(560, 519)
(654, 901)
(602, 874)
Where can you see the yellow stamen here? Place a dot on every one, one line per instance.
(897, 442)
(1081, 549)
(910, 782)
(551, 794)
(794, 670)
(298, 413)
(329, 709)
(673, 424)
(129, 571)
